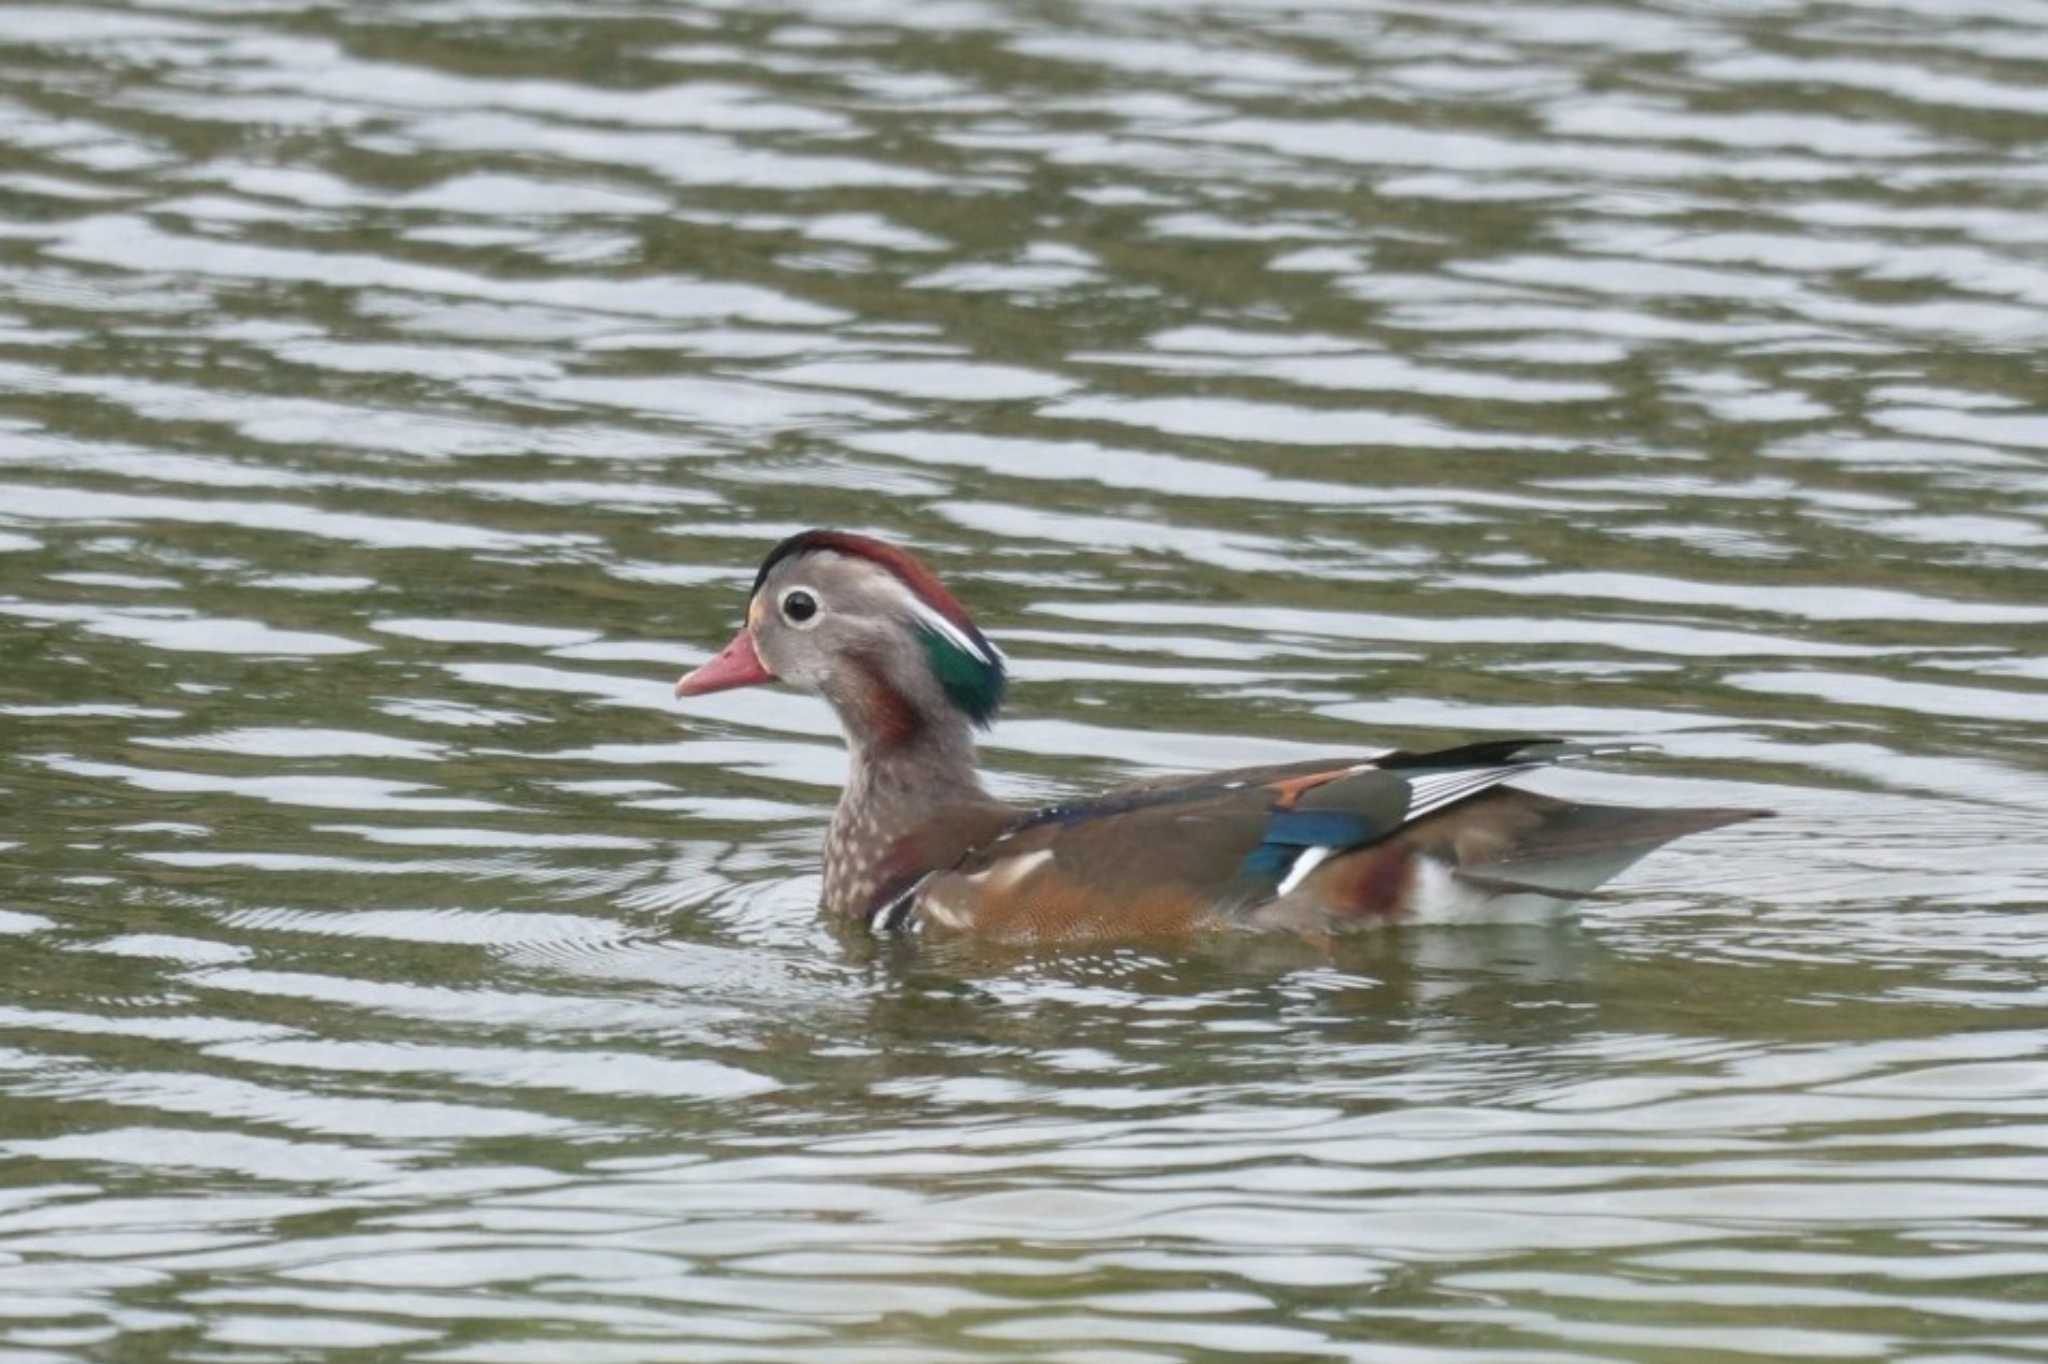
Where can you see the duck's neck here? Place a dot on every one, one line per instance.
(897, 785)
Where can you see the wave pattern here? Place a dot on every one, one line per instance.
(393, 400)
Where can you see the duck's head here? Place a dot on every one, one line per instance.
(865, 625)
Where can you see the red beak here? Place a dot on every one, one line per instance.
(737, 665)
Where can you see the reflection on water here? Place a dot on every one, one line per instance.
(392, 401)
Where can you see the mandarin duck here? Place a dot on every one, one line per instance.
(917, 843)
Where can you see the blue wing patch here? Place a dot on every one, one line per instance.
(1290, 833)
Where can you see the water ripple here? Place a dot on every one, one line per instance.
(395, 401)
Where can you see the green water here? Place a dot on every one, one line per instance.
(394, 399)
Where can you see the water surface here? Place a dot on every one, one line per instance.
(394, 399)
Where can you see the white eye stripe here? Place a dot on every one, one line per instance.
(947, 630)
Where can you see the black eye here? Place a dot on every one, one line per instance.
(799, 606)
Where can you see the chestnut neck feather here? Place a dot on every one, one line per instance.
(913, 762)
(881, 718)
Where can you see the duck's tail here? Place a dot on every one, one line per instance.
(1570, 848)
(1502, 856)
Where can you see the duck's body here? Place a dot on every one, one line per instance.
(917, 843)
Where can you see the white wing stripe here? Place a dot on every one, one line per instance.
(1310, 859)
(1429, 791)
(1433, 791)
